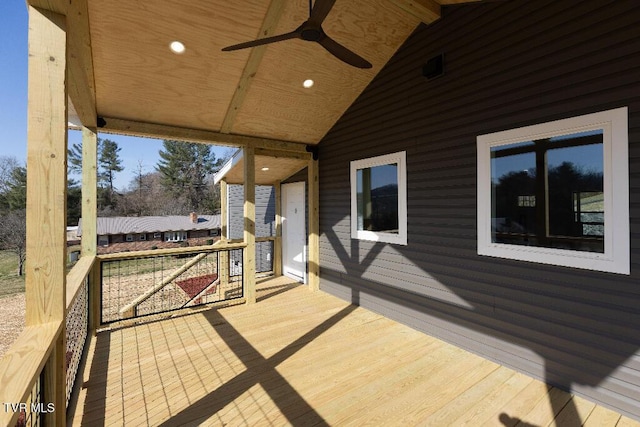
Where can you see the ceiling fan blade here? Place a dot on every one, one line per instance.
(342, 53)
(320, 10)
(292, 35)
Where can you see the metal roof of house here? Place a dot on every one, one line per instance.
(152, 224)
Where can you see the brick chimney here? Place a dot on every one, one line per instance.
(194, 217)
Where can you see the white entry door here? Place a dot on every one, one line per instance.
(294, 237)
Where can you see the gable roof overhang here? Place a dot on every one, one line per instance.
(124, 78)
(270, 167)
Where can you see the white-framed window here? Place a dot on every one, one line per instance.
(103, 240)
(379, 198)
(157, 235)
(175, 236)
(129, 237)
(214, 232)
(557, 193)
(143, 236)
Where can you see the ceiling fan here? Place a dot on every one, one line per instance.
(311, 30)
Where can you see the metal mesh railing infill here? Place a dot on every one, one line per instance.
(77, 329)
(134, 287)
(32, 411)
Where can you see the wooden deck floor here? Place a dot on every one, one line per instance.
(302, 358)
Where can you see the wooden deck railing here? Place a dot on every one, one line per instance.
(23, 365)
(141, 283)
(30, 363)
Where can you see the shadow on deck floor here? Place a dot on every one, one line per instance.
(303, 358)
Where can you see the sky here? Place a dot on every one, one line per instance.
(13, 102)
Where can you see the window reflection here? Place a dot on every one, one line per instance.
(377, 193)
(549, 192)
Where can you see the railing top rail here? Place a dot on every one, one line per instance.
(171, 251)
(258, 239)
(75, 277)
(22, 363)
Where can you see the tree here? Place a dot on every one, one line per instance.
(7, 165)
(13, 203)
(74, 202)
(184, 168)
(13, 235)
(15, 195)
(74, 159)
(109, 163)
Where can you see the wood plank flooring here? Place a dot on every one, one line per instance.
(303, 358)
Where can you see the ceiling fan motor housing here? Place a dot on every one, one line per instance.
(311, 34)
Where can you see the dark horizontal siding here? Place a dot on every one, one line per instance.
(507, 65)
(265, 221)
(265, 211)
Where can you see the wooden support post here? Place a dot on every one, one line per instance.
(89, 219)
(45, 283)
(89, 191)
(314, 225)
(223, 256)
(95, 300)
(277, 243)
(249, 257)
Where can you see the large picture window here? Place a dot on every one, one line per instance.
(557, 193)
(379, 199)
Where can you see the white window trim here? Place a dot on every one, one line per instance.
(128, 237)
(616, 257)
(175, 236)
(399, 158)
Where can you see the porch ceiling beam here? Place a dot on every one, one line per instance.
(267, 29)
(426, 11)
(152, 130)
(282, 154)
(80, 82)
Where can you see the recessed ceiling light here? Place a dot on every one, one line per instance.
(177, 47)
(265, 169)
(307, 83)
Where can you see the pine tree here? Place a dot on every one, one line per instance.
(74, 159)
(185, 169)
(109, 163)
(15, 196)
(74, 202)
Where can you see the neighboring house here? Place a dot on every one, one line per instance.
(72, 236)
(117, 234)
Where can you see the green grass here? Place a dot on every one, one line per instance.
(10, 282)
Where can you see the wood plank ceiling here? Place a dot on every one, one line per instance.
(254, 92)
